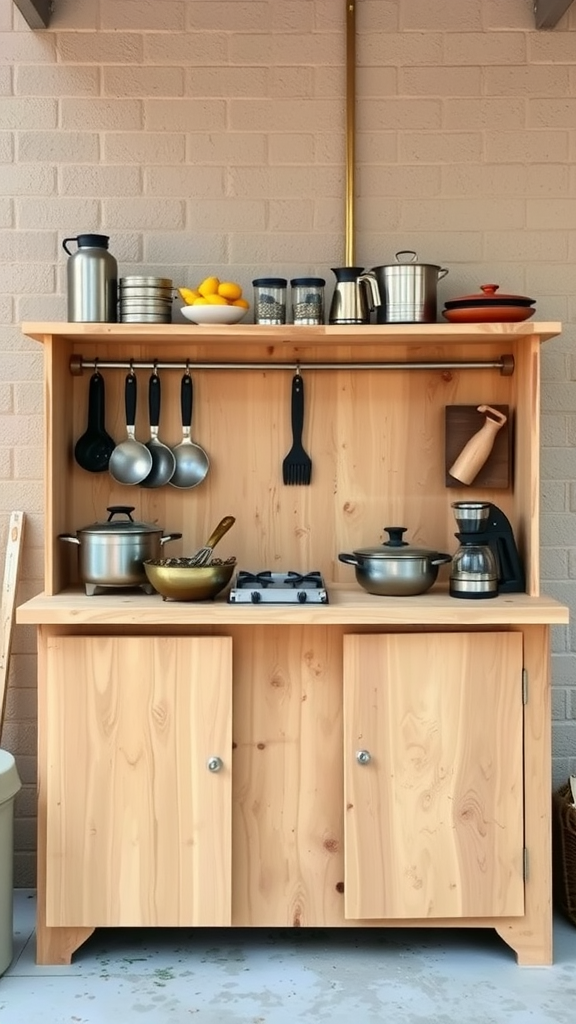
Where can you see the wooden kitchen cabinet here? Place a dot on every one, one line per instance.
(448, 823)
(138, 828)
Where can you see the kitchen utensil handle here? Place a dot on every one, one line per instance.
(223, 526)
(186, 400)
(154, 400)
(297, 407)
(130, 394)
(96, 403)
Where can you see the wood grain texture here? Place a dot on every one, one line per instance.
(288, 851)
(288, 335)
(531, 936)
(375, 437)
(9, 588)
(433, 824)
(138, 830)
(115, 749)
(346, 606)
(288, 864)
(53, 945)
(527, 460)
(58, 442)
(462, 422)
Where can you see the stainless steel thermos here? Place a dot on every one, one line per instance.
(92, 278)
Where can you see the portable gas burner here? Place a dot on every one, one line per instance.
(278, 588)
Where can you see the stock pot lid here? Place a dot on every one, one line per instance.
(395, 547)
(120, 527)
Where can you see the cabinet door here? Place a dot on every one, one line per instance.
(138, 827)
(434, 815)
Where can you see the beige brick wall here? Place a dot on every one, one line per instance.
(210, 133)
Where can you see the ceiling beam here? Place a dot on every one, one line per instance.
(548, 12)
(35, 12)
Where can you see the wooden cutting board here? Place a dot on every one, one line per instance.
(9, 586)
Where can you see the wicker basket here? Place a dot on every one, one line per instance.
(564, 845)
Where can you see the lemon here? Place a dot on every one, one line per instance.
(188, 295)
(200, 301)
(241, 302)
(230, 290)
(209, 286)
(216, 300)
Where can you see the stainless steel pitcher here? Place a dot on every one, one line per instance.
(355, 295)
(92, 279)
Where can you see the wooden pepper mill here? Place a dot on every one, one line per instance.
(476, 451)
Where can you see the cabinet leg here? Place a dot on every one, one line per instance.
(533, 946)
(56, 945)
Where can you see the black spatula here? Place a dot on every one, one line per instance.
(297, 466)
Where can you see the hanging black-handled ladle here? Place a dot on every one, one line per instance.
(93, 449)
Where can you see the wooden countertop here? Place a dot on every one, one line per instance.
(347, 607)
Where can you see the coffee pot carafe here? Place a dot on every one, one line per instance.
(487, 562)
(92, 279)
(355, 295)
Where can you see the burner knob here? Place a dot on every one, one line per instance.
(302, 596)
(255, 596)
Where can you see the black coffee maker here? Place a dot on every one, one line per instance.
(487, 562)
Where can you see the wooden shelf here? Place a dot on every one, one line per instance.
(290, 335)
(346, 607)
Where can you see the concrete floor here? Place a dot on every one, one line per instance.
(218, 976)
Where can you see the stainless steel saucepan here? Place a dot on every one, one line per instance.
(395, 569)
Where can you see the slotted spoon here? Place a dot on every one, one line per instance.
(204, 554)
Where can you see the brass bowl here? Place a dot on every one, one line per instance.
(178, 581)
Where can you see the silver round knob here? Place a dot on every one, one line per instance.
(363, 756)
(215, 764)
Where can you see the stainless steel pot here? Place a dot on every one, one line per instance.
(395, 569)
(408, 290)
(112, 553)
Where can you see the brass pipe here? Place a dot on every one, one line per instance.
(350, 128)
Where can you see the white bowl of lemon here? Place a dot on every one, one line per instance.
(214, 302)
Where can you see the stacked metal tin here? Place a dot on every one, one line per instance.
(145, 300)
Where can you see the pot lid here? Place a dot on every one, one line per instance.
(487, 296)
(121, 527)
(395, 547)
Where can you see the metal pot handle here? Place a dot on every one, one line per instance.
(442, 273)
(348, 559)
(69, 538)
(170, 536)
(440, 559)
(407, 252)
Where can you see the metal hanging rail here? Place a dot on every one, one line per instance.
(78, 364)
